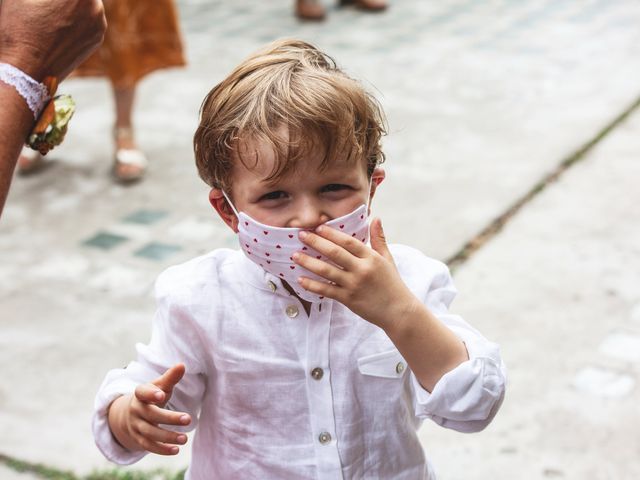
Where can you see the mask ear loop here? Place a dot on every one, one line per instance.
(368, 195)
(231, 204)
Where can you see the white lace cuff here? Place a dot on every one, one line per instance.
(34, 93)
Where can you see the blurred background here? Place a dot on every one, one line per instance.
(513, 154)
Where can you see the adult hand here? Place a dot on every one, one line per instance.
(49, 37)
(134, 419)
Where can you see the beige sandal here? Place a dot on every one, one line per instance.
(130, 164)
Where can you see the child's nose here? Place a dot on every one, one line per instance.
(308, 216)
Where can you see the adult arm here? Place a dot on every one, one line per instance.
(15, 122)
(42, 38)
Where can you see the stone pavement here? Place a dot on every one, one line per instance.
(483, 100)
(560, 290)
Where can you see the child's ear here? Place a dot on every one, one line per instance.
(222, 207)
(376, 179)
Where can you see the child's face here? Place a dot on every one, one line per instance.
(302, 198)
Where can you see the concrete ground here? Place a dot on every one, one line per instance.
(484, 99)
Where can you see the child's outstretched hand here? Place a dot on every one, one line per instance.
(363, 279)
(135, 419)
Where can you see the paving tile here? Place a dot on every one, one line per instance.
(157, 251)
(105, 240)
(146, 217)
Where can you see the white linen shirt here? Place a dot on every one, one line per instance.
(277, 394)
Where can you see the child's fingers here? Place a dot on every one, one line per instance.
(156, 447)
(157, 415)
(170, 378)
(352, 244)
(378, 240)
(329, 249)
(149, 393)
(160, 435)
(321, 288)
(319, 267)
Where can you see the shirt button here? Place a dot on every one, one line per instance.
(324, 438)
(317, 373)
(400, 367)
(272, 286)
(292, 311)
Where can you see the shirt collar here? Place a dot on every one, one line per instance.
(259, 278)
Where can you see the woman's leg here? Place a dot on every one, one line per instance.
(130, 163)
(123, 98)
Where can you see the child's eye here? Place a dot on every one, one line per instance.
(334, 187)
(273, 195)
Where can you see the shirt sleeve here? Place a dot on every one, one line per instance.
(468, 397)
(174, 339)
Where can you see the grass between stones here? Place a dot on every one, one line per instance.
(499, 222)
(43, 471)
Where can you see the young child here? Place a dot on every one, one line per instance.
(307, 353)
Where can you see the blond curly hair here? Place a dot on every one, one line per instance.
(289, 84)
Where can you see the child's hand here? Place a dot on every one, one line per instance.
(135, 419)
(365, 279)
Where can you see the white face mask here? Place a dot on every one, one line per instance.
(272, 247)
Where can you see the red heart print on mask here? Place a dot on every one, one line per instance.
(267, 254)
(265, 232)
(278, 246)
(292, 267)
(341, 227)
(290, 236)
(255, 240)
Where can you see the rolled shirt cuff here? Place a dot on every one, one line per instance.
(105, 441)
(467, 397)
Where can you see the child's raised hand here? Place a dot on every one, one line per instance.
(135, 419)
(363, 279)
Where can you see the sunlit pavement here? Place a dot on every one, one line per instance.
(484, 99)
